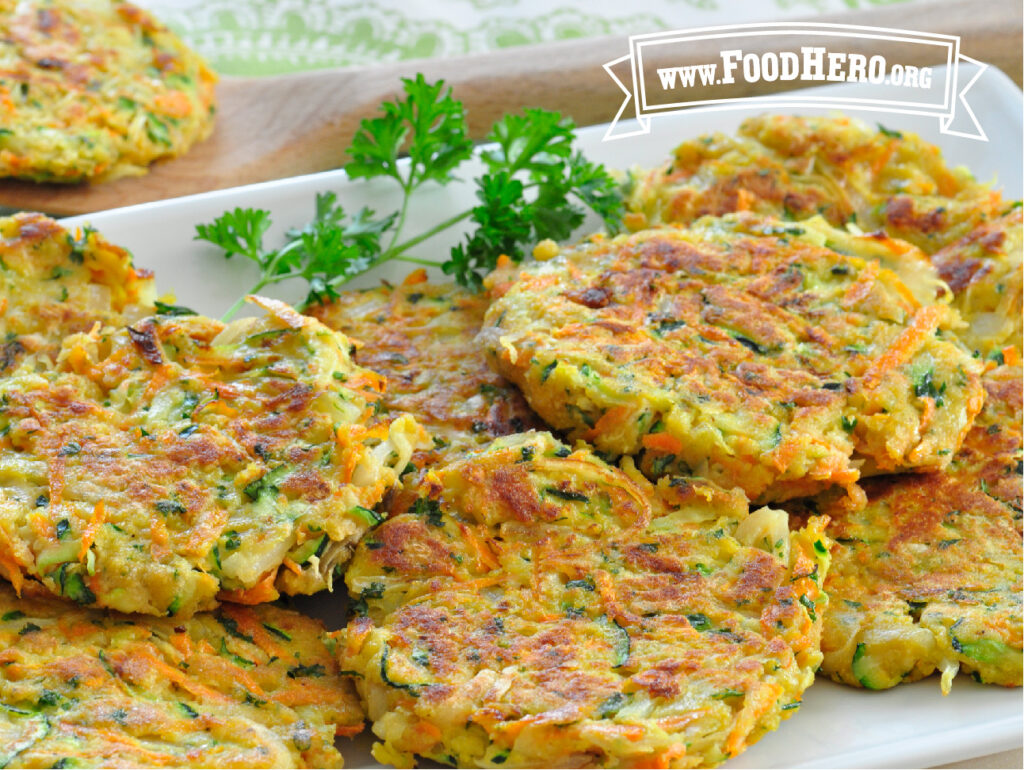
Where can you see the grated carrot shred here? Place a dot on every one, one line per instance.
(613, 607)
(219, 406)
(11, 569)
(860, 288)
(925, 321)
(745, 200)
(135, 746)
(183, 644)
(158, 536)
(179, 678)
(419, 275)
(263, 591)
(881, 160)
(209, 522)
(483, 554)
(483, 582)
(664, 759)
(784, 453)
(928, 414)
(433, 732)
(95, 522)
(158, 380)
(662, 442)
(174, 104)
(608, 421)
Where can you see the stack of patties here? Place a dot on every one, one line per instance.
(161, 464)
(516, 607)
(927, 572)
(927, 576)
(622, 596)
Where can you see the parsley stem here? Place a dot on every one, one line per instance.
(241, 300)
(415, 261)
(400, 223)
(268, 278)
(396, 251)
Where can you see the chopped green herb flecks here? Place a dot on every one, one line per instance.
(567, 494)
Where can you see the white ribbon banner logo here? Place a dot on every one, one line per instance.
(796, 51)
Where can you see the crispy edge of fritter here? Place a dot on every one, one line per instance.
(984, 270)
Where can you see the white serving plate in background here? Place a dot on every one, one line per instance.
(909, 726)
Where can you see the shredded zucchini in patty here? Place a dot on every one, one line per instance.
(92, 91)
(530, 605)
(167, 464)
(242, 687)
(781, 357)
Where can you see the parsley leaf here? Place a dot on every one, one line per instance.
(327, 251)
(534, 187)
(238, 232)
(504, 221)
(538, 143)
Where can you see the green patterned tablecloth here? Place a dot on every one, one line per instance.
(262, 37)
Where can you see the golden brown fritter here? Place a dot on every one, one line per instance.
(245, 687)
(162, 466)
(421, 338)
(54, 283)
(984, 271)
(94, 91)
(533, 606)
(741, 349)
(797, 167)
(928, 575)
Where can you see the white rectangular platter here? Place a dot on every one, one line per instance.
(909, 726)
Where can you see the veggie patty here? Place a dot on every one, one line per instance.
(782, 357)
(95, 91)
(422, 338)
(161, 466)
(242, 687)
(532, 606)
(797, 167)
(54, 283)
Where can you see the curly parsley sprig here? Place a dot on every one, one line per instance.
(534, 187)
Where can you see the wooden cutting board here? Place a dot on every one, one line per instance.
(275, 127)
